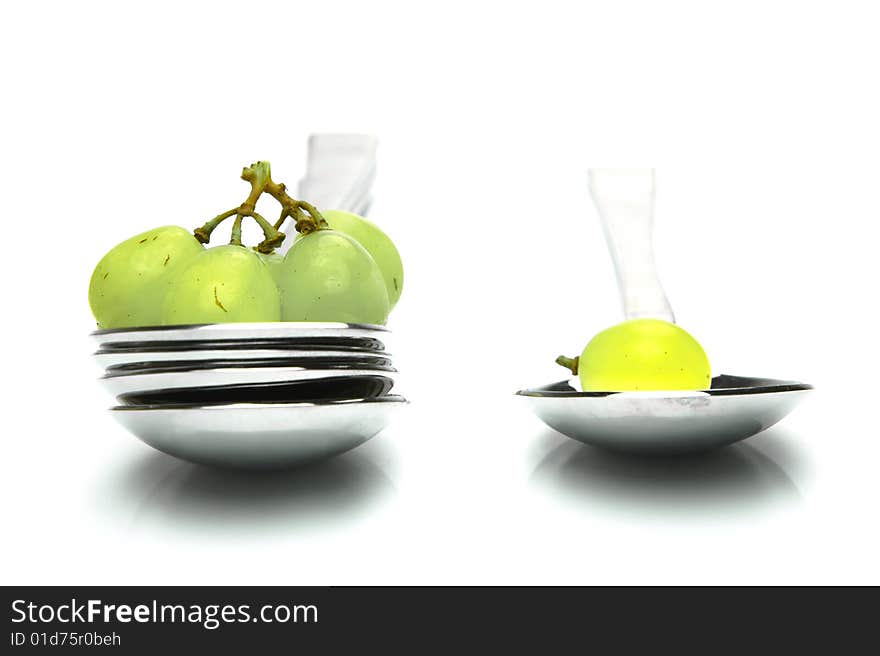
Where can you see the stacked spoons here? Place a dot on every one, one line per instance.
(250, 394)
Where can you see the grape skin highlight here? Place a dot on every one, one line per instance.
(128, 284)
(376, 243)
(328, 276)
(222, 285)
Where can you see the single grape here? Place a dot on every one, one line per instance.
(127, 286)
(376, 243)
(643, 354)
(328, 276)
(223, 284)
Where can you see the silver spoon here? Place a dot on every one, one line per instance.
(340, 171)
(733, 409)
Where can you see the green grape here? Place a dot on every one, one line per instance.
(223, 284)
(128, 285)
(275, 264)
(328, 276)
(377, 244)
(643, 354)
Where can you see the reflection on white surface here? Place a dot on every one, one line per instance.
(158, 491)
(742, 479)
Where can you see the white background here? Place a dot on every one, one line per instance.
(762, 121)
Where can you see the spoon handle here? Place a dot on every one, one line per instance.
(625, 201)
(340, 171)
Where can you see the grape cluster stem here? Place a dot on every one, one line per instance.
(569, 363)
(306, 217)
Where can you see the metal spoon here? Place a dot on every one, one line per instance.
(733, 409)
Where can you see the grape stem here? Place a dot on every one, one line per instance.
(569, 363)
(258, 174)
(306, 217)
(236, 231)
(203, 234)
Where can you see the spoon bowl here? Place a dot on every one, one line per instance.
(732, 409)
(259, 435)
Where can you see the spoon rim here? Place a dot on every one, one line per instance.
(390, 399)
(292, 325)
(563, 389)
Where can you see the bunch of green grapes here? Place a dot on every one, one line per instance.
(341, 267)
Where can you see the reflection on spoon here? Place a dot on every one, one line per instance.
(158, 490)
(732, 481)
